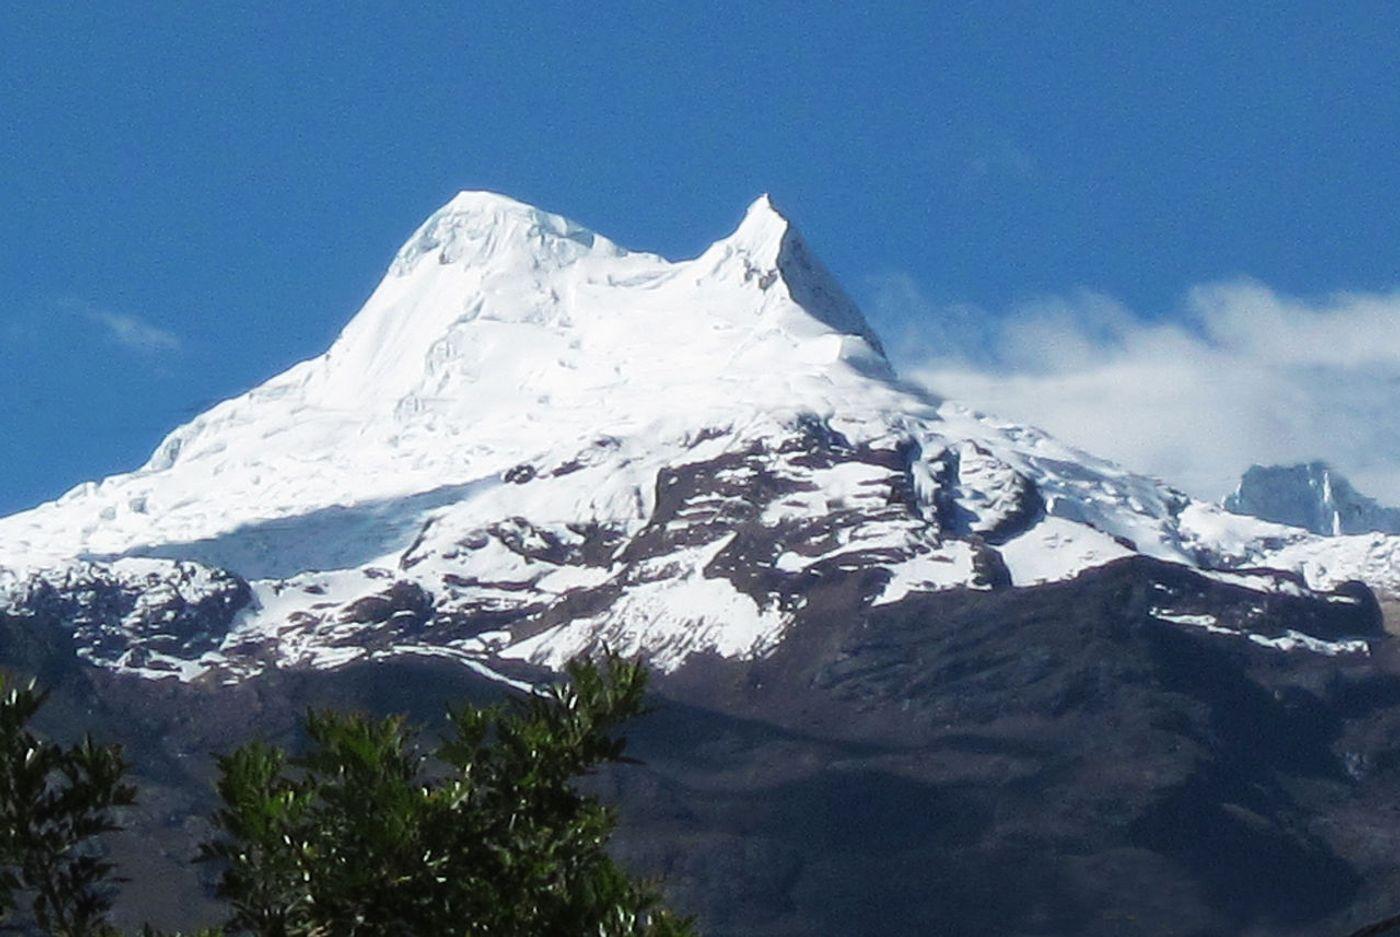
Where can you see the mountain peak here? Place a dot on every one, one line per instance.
(477, 227)
(762, 230)
(500, 331)
(1313, 496)
(497, 315)
(766, 250)
(470, 201)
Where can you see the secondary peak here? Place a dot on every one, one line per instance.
(762, 231)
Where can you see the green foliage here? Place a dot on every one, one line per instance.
(55, 803)
(367, 834)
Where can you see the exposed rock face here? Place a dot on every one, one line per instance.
(1313, 496)
(1045, 761)
(155, 617)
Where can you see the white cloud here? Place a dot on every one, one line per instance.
(131, 332)
(135, 333)
(1241, 374)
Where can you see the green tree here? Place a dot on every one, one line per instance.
(55, 804)
(372, 833)
(487, 835)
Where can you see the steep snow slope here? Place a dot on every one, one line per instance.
(531, 440)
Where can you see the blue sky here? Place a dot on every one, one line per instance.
(194, 199)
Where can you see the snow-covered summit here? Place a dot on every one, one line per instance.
(500, 331)
(478, 228)
(530, 440)
(770, 249)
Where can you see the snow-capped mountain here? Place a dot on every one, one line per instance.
(1313, 496)
(531, 441)
(919, 670)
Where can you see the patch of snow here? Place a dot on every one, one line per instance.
(1296, 640)
(948, 566)
(467, 658)
(1056, 549)
(1289, 641)
(1208, 622)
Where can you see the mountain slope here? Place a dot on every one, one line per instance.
(531, 441)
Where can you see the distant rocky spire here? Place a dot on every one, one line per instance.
(1310, 495)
